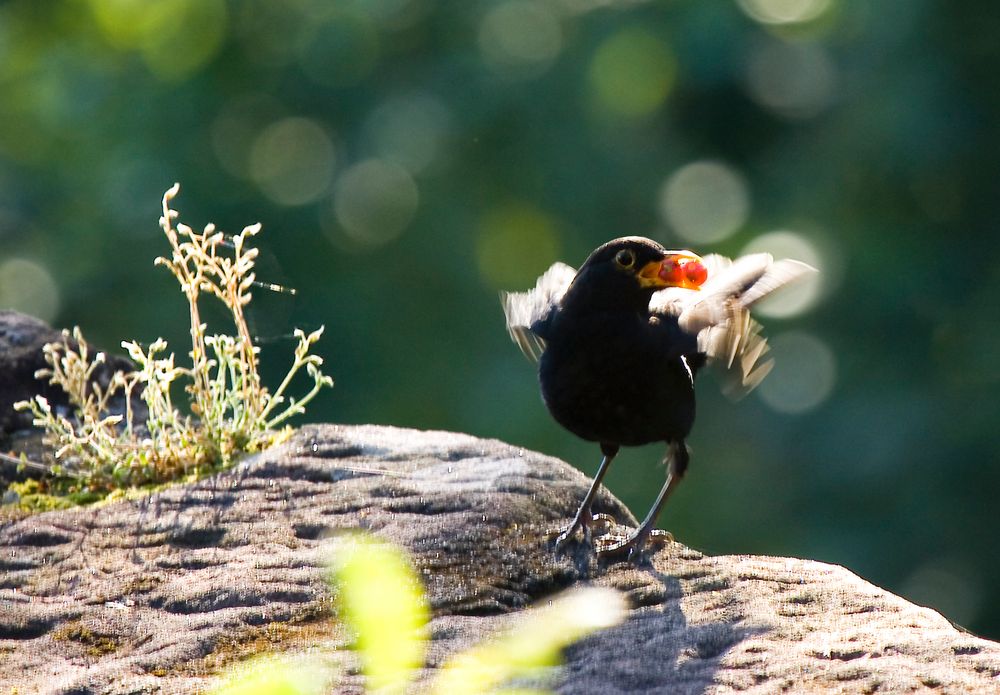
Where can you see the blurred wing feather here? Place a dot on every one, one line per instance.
(528, 312)
(719, 314)
(779, 274)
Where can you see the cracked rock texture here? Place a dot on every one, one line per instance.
(157, 594)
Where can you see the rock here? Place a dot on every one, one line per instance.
(157, 594)
(22, 338)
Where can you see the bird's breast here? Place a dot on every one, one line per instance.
(613, 379)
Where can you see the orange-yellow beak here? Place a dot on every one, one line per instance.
(677, 269)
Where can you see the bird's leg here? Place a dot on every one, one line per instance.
(677, 456)
(583, 516)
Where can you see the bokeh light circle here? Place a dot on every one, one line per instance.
(804, 374)
(784, 11)
(237, 125)
(517, 242)
(374, 201)
(950, 584)
(292, 161)
(806, 291)
(175, 38)
(705, 201)
(343, 50)
(29, 287)
(631, 73)
(792, 80)
(410, 130)
(520, 38)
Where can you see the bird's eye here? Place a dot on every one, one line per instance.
(625, 258)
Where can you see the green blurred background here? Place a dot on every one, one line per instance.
(409, 158)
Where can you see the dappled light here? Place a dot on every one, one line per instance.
(374, 201)
(410, 130)
(807, 292)
(804, 375)
(519, 38)
(516, 242)
(949, 583)
(411, 159)
(792, 80)
(705, 202)
(292, 161)
(175, 38)
(342, 48)
(631, 73)
(237, 126)
(28, 286)
(785, 11)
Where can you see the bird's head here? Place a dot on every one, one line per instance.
(628, 270)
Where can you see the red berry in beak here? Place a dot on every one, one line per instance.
(671, 272)
(696, 273)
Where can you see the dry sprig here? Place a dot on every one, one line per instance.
(231, 411)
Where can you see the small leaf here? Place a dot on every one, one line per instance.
(383, 601)
(536, 644)
(276, 676)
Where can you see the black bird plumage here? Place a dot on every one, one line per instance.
(620, 342)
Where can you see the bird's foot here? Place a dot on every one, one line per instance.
(602, 524)
(618, 547)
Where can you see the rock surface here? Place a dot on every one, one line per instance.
(157, 594)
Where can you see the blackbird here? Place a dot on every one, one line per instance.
(620, 341)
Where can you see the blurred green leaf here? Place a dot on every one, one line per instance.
(632, 73)
(535, 645)
(174, 37)
(382, 600)
(276, 676)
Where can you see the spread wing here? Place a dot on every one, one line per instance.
(719, 314)
(528, 312)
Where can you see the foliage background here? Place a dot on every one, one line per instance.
(410, 158)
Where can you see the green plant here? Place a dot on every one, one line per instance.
(382, 602)
(99, 449)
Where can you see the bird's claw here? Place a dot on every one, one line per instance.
(659, 539)
(606, 522)
(563, 538)
(566, 535)
(601, 523)
(631, 548)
